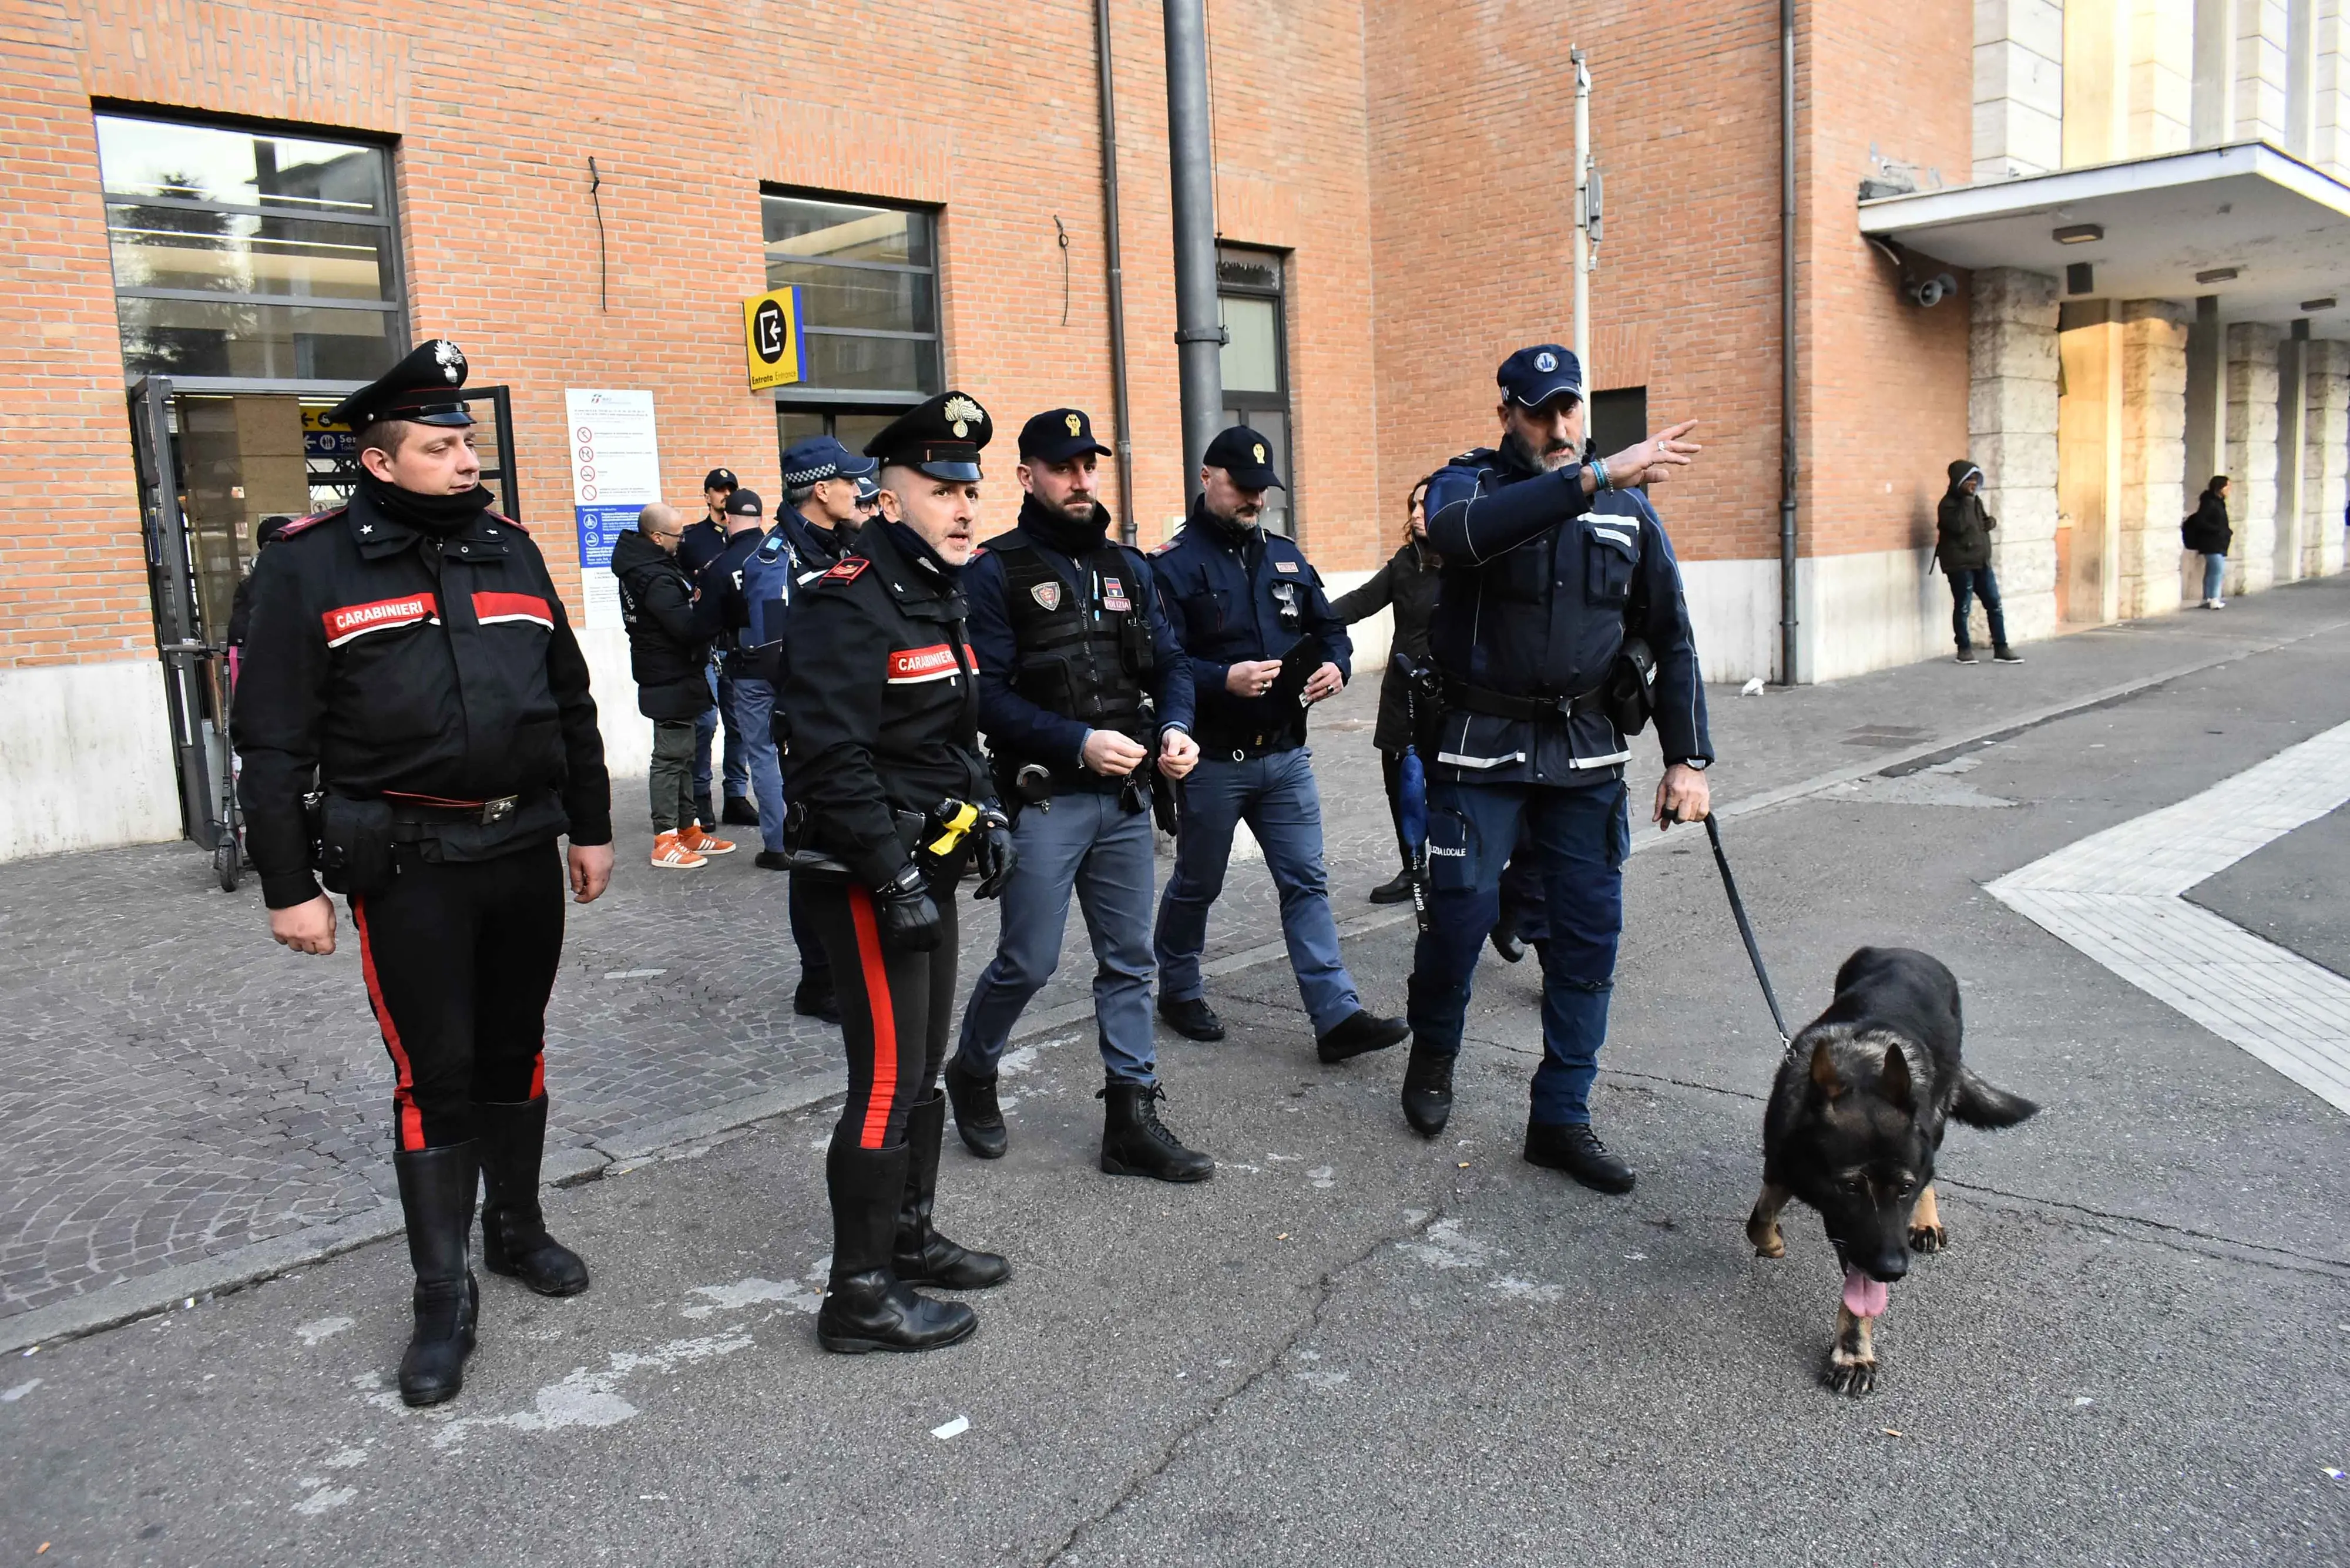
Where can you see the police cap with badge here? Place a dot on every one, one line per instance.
(1057, 435)
(941, 438)
(420, 388)
(1537, 374)
(819, 458)
(1245, 455)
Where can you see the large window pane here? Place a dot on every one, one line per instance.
(280, 342)
(871, 364)
(799, 229)
(855, 297)
(242, 168)
(239, 253)
(1252, 361)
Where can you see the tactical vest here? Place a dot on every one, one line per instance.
(1085, 655)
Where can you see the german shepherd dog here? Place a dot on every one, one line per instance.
(1856, 1118)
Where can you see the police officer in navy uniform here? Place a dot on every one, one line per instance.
(1241, 599)
(828, 493)
(1550, 563)
(1083, 691)
(409, 658)
(889, 800)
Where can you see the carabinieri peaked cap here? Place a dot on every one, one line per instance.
(941, 438)
(419, 388)
(1532, 376)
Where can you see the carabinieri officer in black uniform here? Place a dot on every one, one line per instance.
(1551, 565)
(410, 662)
(889, 800)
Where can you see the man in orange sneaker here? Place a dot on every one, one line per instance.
(668, 653)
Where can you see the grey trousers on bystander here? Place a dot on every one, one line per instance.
(670, 777)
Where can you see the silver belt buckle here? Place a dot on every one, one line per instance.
(496, 811)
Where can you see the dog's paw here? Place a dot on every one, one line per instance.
(1928, 1239)
(1850, 1376)
(1764, 1235)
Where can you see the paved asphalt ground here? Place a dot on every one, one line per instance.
(1355, 1346)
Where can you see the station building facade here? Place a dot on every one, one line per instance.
(217, 215)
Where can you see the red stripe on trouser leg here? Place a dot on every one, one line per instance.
(404, 1093)
(538, 1072)
(885, 1020)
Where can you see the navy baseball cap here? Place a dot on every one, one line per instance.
(1532, 376)
(869, 489)
(745, 504)
(1246, 455)
(1058, 435)
(820, 458)
(718, 479)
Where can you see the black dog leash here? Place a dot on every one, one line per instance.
(1745, 927)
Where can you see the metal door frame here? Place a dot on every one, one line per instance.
(171, 593)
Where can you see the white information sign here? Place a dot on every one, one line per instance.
(615, 474)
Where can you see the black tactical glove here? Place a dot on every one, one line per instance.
(904, 911)
(992, 851)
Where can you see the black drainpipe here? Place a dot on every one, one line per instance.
(1787, 341)
(1125, 438)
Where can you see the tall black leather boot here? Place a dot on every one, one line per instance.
(921, 1256)
(866, 1307)
(436, 1194)
(1135, 1142)
(512, 1140)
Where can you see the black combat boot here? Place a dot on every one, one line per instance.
(978, 1118)
(1575, 1148)
(865, 1307)
(1428, 1090)
(1135, 1142)
(436, 1194)
(1396, 890)
(921, 1255)
(1360, 1032)
(1192, 1018)
(512, 1140)
(739, 812)
(815, 999)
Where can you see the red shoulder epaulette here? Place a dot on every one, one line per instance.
(303, 524)
(507, 521)
(845, 569)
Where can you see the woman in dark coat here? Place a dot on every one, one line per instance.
(1408, 584)
(2206, 531)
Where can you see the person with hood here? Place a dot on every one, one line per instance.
(1962, 548)
(668, 653)
(1408, 584)
(2207, 533)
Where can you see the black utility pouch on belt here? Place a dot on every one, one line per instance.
(1630, 692)
(355, 839)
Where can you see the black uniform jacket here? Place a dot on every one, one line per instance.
(669, 630)
(1541, 585)
(380, 659)
(1234, 593)
(880, 695)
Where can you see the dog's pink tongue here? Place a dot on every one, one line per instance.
(1863, 1297)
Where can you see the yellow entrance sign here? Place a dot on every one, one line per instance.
(772, 346)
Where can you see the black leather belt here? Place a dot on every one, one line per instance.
(434, 808)
(1460, 695)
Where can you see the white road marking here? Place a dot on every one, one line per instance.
(954, 1428)
(2115, 896)
(319, 1328)
(587, 1398)
(752, 1291)
(319, 1502)
(11, 1395)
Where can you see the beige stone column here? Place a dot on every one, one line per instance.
(2325, 457)
(2011, 433)
(2251, 463)
(2153, 454)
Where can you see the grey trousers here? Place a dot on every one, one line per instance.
(670, 777)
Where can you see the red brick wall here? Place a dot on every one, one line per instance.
(991, 113)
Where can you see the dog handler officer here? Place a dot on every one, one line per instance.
(1550, 563)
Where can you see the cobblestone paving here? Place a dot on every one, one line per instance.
(173, 1086)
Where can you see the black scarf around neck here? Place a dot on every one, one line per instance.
(439, 516)
(917, 550)
(1052, 529)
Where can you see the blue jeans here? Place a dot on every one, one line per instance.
(1277, 796)
(1965, 584)
(735, 765)
(751, 717)
(1574, 844)
(2215, 567)
(1088, 844)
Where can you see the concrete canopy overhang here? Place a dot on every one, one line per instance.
(2283, 224)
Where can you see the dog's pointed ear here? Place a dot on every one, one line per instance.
(1894, 1083)
(1824, 1073)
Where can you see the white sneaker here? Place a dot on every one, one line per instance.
(2215, 603)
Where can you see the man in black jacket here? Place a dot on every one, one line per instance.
(412, 662)
(1962, 527)
(669, 654)
(2206, 531)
